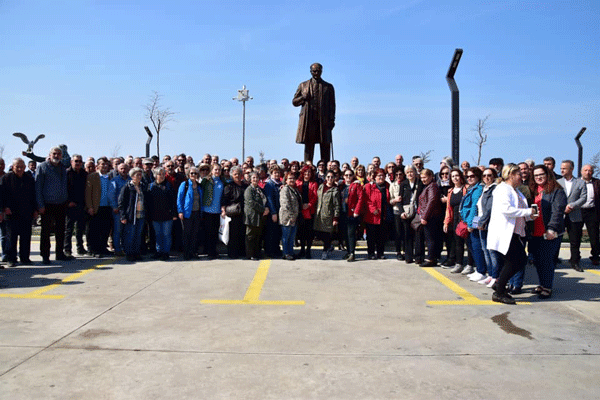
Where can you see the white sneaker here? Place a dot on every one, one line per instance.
(492, 281)
(457, 269)
(475, 277)
(469, 269)
(485, 280)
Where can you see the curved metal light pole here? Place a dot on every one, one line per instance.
(580, 154)
(148, 141)
(243, 96)
(455, 105)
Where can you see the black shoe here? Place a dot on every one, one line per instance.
(576, 267)
(400, 257)
(289, 258)
(516, 290)
(254, 258)
(64, 257)
(11, 264)
(26, 262)
(418, 260)
(156, 256)
(381, 257)
(595, 261)
(449, 263)
(68, 253)
(429, 263)
(164, 257)
(130, 258)
(81, 251)
(372, 257)
(351, 257)
(503, 298)
(308, 255)
(46, 261)
(409, 261)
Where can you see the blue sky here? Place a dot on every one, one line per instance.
(81, 71)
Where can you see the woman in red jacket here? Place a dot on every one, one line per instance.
(307, 186)
(375, 205)
(351, 195)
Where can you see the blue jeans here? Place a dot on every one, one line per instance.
(117, 233)
(493, 259)
(544, 252)
(477, 252)
(288, 235)
(133, 237)
(4, 241)
(162, 230)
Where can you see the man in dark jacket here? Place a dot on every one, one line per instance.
(52, 196)
(76, 214)
(19, 207)
(590, 211)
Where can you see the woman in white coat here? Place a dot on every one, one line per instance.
(506, 231)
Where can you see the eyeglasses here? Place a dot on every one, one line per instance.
(539, 175)
(350, 175)
(225, 169)
(193, 173)
(470, 176)
(78, 161)
(444, 173)
(488, 175)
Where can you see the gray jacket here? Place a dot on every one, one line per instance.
(289, 206)
(576, 198)
(51, 184)
(254, 206)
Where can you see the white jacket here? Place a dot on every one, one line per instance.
(505, 211)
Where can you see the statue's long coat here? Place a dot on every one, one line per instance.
(327, 111)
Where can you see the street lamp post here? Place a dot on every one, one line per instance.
(148, 141)
(243, 96)
(580, 153)
(455, 107)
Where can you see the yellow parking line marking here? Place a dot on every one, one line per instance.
(39, 293)
(593, 271)
(253, 292)
(467, 298)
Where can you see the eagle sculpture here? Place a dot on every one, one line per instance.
(29, 144)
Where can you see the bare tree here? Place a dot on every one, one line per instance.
(480, 137)
(1, 151)
(158, 115)
(426, 156)
(595, 162)
(261, 154)
(116, 151)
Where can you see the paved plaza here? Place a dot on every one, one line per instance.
(305, 329)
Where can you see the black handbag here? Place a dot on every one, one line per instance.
(234, 210)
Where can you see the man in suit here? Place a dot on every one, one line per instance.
(590, 211)
(576, 197)
(317, 116)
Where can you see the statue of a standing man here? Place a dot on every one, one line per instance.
(317, 117)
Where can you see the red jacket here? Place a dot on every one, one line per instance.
(312, 198)
(355, 192)
(371, 201)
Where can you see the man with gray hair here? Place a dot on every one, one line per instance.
(52, 195)
(19, 208)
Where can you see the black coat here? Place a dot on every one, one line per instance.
(162, 203)
(128, 201)
(18, 194)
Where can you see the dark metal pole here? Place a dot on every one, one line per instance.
(244, 132)
(580, 155)
(455, 105)
(148, 141)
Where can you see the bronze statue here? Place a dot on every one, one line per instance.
(317, 116)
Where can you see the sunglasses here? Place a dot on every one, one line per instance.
(488, 175)
(470, 176)
(193, 173)
(444, 173)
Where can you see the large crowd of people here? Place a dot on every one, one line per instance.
(491, 220)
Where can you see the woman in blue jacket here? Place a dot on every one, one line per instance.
(189, 207)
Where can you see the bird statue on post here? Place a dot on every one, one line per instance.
(29, 144)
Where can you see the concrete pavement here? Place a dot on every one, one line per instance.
(307, 329)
